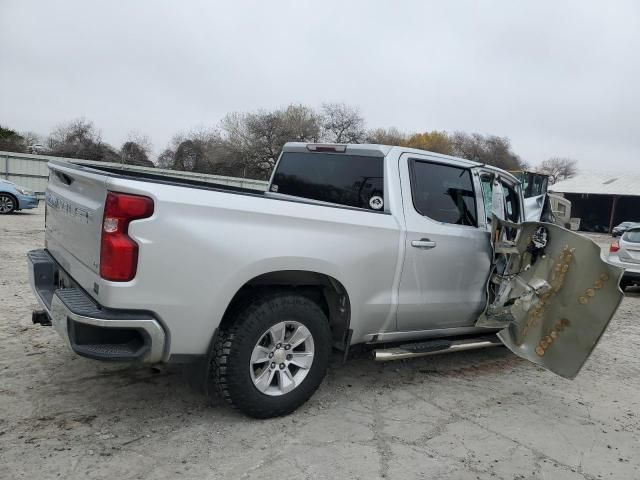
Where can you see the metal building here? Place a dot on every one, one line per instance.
(602, 200)
(28, 171)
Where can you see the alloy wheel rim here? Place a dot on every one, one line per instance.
(282, 358)
(6, 204)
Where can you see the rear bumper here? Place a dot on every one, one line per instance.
(90, 329)
(631, 270)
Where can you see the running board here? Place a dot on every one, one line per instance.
(434, 347)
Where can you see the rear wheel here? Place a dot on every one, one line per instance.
(7, 203)
(273, 355)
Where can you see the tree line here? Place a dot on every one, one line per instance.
(247, 144)
(78, 139)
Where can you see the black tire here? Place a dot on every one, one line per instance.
(10, 200)
(233, 346)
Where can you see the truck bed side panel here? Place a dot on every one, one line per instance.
(200, 247)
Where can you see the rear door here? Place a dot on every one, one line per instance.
(447, 247)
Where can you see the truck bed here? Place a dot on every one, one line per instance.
(174, 177)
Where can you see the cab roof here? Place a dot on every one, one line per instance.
(377, 150)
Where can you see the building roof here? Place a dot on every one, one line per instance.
(600, 183)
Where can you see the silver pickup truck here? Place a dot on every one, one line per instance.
(410, 252)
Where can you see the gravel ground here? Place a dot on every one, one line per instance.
(472, 415)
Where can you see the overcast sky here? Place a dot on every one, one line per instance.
(558, 78)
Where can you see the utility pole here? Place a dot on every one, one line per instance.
(613, 212)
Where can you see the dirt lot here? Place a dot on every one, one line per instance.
(474, 415)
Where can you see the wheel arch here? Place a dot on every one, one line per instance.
(326, 291)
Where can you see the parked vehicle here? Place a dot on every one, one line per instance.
(623, 227)
(14, 197)
(625, 253)
(410, 252)
(37, 148)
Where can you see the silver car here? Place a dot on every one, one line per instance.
(625, 253)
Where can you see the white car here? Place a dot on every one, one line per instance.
(37, 148)
(625, 253)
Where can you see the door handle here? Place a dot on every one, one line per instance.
(423, 243)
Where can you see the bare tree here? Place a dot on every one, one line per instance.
(166, 159)
(31, 138)
(136, 150)
(252, 142)
(142, 140)
(558, 168)
(80, 139)
(489, 149)
(342, 123)
(386, 136)
(302, 124)
(76, 132)
(201, 150)
(131, 153)
(189, 156)
(268, 133)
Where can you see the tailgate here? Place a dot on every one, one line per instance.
(75, 202)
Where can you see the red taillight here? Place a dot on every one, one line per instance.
(614, 247)
(118, 252)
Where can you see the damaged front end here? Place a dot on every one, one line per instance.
(550, 292)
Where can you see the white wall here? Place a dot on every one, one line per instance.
(29, 171)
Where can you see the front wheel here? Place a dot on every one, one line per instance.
(273, 355)
(7, 203)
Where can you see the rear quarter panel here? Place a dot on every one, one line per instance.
(200, 247)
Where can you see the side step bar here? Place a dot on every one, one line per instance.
(434, 347)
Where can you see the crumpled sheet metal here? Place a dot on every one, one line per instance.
(563, 303)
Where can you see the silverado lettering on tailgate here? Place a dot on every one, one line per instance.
(76, 212)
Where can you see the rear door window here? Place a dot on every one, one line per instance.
(632, 236)
(351, 180)
(443, 192)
